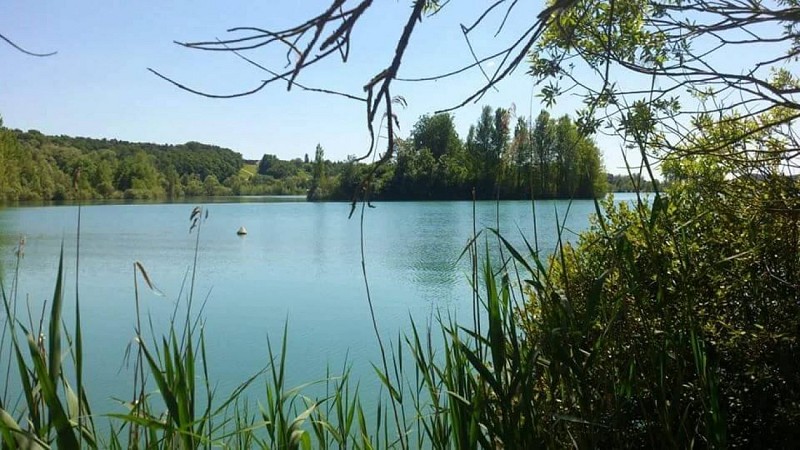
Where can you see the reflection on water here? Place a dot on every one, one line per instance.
(300, 262)
(181, 200)
(432, 263)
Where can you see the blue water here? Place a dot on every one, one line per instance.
(300, 263)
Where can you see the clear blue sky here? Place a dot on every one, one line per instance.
(98, 84)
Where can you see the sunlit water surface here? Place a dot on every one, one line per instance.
(299, 264)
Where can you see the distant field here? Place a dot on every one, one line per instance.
(249, 170)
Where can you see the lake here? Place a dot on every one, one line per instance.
(300, 264)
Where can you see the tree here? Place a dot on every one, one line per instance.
(212, 187)
(318, 180)
(171, 183)
(678, 47)
(45, 167)
(656, 312)
(494, 165)
(481, 143)
(567, 157)
(521, 150)
(520, 155)
(590, 171)
(543, 146)
(266, 163)
(10, 160)
(501, 132)
(138, 177)
(436, 133)
(481, 151)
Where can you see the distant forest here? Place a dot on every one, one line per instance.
(34, 166)
(549, 161)
(501, 157)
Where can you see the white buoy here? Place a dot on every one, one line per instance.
(241, 231)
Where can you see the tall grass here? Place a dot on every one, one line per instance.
(546, 361)
(51, 407)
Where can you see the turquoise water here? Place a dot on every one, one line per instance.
(300, 263)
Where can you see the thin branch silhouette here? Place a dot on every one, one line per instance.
(27, 52)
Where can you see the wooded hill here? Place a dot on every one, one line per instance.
(36, 166)
(549, 160)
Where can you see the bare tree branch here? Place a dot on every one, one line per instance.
(27, 52)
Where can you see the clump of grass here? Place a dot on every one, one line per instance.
(604, 344)
(627, 359)
(50, 411)
(471, 389)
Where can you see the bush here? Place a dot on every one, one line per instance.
(678, 318)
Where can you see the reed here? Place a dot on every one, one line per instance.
(608, 342)
(51, 407)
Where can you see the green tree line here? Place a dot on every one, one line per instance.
(35, 166)
(633, 183)
(548, 159)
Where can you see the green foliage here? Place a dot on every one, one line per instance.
(436, 133)
(553, 160)
(433, 164)
(674, 321)
(266, 163)
(681, 311)
(38, 167)
(632, 183)
(319, 181)
(475, 395)
(664, 326)
(52, 411)
(560, 162)
(181, 409)
(138, 177)
(482, 390)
